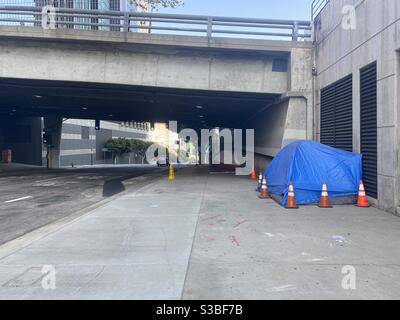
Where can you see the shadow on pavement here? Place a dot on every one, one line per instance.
(113, 187)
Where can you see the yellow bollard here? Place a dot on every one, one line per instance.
(171, 175)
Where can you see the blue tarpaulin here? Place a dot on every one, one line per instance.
(308, 165)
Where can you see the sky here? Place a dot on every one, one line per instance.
(265, 9)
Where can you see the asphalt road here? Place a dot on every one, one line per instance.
(31, 197)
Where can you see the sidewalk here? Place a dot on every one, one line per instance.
(247, 248)
(135, 247)
(208, 236)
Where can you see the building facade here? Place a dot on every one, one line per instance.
(357, 78)
(81, 144)
(113, 5)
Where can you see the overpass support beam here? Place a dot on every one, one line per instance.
(53, 125)
(296, 121)
(301, 84)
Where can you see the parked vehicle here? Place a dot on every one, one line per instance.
(163, 162)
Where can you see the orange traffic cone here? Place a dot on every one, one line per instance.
(362, 197)
(264, 194)
(291, 198)
(260, 178)
(324, 200)
(253, 174)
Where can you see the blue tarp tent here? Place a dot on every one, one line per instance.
(308, 164)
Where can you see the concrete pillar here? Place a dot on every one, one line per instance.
(53, 125)
(296, 121)
(300, 82)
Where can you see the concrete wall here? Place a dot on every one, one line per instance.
(170, 69)
(269, 126)
(340, 52)
(277, 126)
(151, 60)
(23, 137)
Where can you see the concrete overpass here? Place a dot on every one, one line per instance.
(238, 82)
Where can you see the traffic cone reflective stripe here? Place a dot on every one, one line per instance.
(171, 175)
(324, 201)
(264, 194)
(362, 200)
(291, 198)
(362, 190)
(260, 177)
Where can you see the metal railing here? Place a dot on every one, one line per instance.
(106, 20)
(316, 7)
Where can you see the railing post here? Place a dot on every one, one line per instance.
(295, 36)
(72, 18)
(209, 27)
(48, 17)
(126, 22)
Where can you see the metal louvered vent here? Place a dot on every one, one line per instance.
(368, 123)
(337, 114)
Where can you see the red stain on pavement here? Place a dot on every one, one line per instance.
(234, 240)
(212, 217)
(239, 223)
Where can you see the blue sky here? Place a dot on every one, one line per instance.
(267, 9)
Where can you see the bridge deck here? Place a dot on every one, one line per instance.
(19, 32)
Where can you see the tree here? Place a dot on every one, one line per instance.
(154, 5)
(119, 146)
(140, 147)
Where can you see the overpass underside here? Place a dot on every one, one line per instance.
(227, 83)
(82, 100)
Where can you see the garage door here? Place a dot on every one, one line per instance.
(337, 114)
(368, 134)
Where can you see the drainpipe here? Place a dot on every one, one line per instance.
(314, 107)
(314, 72)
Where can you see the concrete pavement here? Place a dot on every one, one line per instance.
(207, 236)
(246, 248)
(31, 197)
(135, 247)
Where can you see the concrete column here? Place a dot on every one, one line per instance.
(296, 121)
(301, 84)
(53, 124)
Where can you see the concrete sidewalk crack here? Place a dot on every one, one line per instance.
(194, 236)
